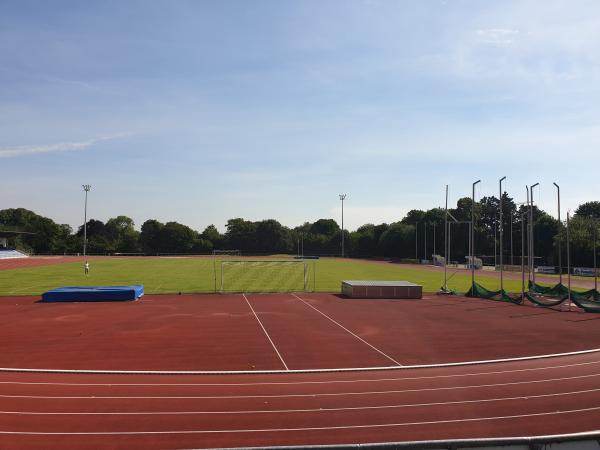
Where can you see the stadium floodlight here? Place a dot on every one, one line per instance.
(473, 237)
(86, 188)
(559, 243)
(501, 240)
(342, 198)
(531, 231)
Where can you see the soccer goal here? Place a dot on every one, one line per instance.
(264, 276)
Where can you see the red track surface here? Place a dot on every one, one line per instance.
(521, 398)
(18, 263)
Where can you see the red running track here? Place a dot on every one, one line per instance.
(275, 332)
(279, 331)
(526, 398)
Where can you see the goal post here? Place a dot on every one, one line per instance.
(264, 276)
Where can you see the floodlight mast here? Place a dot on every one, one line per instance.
(501, 240)
(86, 188)
(473, 237)
(559, 243)
(342, 198)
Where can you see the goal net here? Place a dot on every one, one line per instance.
(264, 276)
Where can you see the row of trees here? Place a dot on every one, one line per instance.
(417, 236)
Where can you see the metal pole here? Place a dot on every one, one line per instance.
(569, 259)
(523, 256)
(532, 241)
(434, 238)
(512, 247)
(559, 243)
(342, 198)
(425, 243)
(501, 246)
(416, 241)
(473, 237)
(446, 244)
(528, 237)
(86, 188)
(595, 266)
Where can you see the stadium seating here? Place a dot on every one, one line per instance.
(6, 253)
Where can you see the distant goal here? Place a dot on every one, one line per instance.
(264, 276)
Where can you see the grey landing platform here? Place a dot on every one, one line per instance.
(381, 289)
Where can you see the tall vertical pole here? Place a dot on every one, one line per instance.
(425, 243)
(501, 240)
(512, 247)
(416, 241)
(446, 244)
(569, 259)
(559, 243)
(473, 237)
(595, 224)
(342, 198)
(523, 256)
(434, 238)
(86, 188)
(528, 238)
(532, 237)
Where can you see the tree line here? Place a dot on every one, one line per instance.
(418, 235)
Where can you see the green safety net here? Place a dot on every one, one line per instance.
(588, 300)
(478, 291)
(546, 296)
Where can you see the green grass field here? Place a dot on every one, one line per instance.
(172, 275)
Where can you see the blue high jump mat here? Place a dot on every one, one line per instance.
(94, 293)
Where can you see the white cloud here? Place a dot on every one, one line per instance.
(12, 152)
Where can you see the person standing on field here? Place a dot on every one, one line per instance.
(86, 268)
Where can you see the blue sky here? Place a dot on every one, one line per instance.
(202, 111)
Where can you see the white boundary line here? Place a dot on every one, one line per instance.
(298, 383)
(283, 411)
(304, 395)
(347, 330)
(297, 371)
(266, 334)
(275, 430)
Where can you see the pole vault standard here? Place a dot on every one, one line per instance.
(473, 237)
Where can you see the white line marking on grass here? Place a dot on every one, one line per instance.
(266, 334)
(280, 396)
(347, 330)
(273, 430)
(286, 411)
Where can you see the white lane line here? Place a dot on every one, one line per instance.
(296, 371)
(299, 383)
(282, 411)
(314, 394)
(274, 430)
(348, 331)
(266, 334)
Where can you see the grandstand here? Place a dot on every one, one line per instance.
(8, 244)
